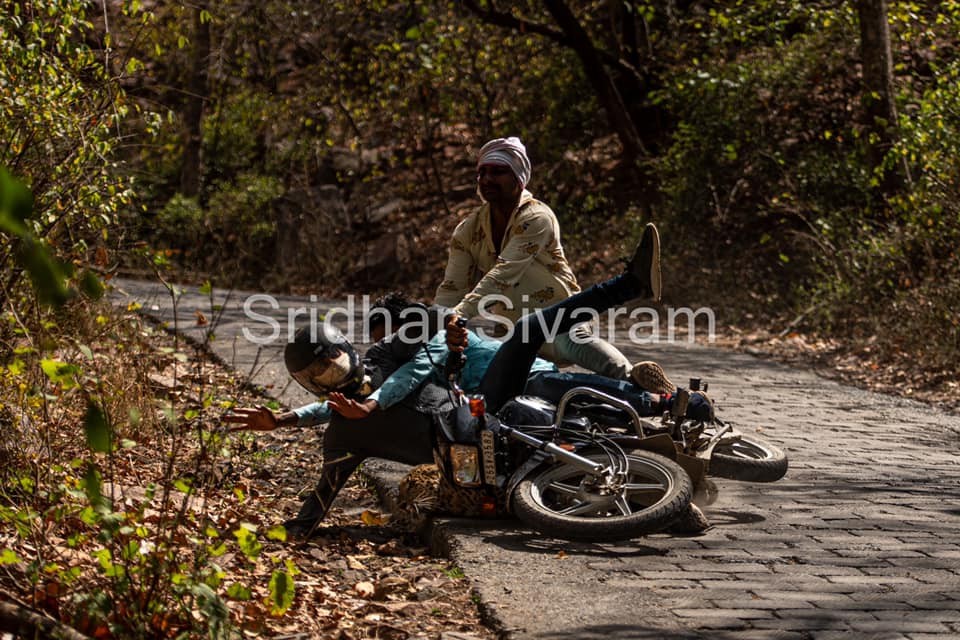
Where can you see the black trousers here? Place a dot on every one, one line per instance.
(403, 433)
(507, 374)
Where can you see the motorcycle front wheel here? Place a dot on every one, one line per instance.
(564, 501)
(748, 458)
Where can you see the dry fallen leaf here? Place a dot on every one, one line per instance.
(372, 519)
(390, 585)
(364, 589)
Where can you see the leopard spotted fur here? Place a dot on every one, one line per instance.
(425, 491)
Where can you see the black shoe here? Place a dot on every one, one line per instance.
(693, 405)
(312, 511)
(645, 263)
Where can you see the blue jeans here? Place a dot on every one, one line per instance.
(552, 385)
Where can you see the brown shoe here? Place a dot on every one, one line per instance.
(650, 376)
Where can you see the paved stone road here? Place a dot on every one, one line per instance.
(860, 540)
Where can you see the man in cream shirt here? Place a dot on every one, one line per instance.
(510, 247)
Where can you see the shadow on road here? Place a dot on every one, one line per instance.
(728, 517)
(536, 543)
(622, 632)
(509, 535)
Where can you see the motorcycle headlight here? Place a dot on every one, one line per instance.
(466, 465)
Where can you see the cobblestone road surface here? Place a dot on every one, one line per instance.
(860, 540)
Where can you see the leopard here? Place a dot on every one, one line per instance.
(426, 491)
(417, 498)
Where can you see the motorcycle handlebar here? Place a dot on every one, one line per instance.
(455, 359)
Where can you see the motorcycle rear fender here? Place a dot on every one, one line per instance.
(660, 443)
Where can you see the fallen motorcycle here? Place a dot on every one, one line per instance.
(590, 468)
(560, 475)
(563, 475)
(716, 448)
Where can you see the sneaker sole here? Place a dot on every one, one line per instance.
(651, 378)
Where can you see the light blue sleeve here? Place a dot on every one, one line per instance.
(412, 374)
(312, 414)
(540, 364)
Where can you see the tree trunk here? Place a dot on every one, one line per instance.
(598, 76)
(878, 99)
(628, 33)
(191, 169)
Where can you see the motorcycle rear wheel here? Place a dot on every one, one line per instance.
(750, 459)
(557, 499)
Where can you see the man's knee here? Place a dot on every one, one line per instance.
(594, 354)
(617, 369)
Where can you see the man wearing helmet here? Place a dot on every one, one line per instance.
(513, 240)
(394, 422)
(323, 361)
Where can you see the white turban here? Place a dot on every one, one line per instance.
(510, 152)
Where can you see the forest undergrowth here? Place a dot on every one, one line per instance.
(162, 524)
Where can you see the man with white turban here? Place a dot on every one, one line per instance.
(510, 247)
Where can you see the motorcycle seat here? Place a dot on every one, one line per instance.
(601, 413)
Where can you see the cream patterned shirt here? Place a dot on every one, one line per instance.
(531, 271)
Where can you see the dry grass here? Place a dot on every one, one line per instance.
(178, 494)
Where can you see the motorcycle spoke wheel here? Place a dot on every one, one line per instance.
(645, 494)
(567, 489)
(584, 508)
(562, 500)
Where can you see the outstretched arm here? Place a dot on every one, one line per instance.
(352, 409)
(258, 418)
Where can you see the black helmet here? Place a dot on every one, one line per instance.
(326, 363)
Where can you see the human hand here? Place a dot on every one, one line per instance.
(258, 418)
(351, 409)
(456, 333)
